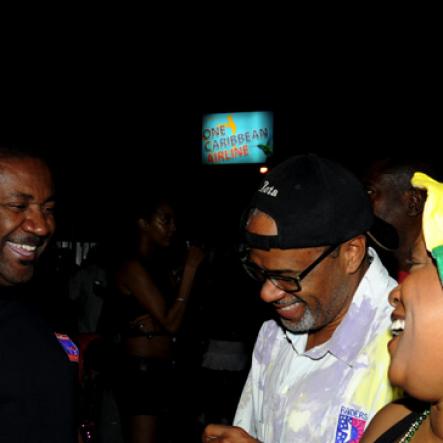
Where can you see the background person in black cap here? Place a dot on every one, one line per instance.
(319, 372)
(397, 202)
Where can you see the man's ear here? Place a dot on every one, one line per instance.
(353, 252)
(416, 201)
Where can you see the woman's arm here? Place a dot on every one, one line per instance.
(139, 283)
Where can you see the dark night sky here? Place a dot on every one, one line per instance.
(113, 136)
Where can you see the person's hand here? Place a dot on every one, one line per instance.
(194, 256)
(433, 211)
(226, 434)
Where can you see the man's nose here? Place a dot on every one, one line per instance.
(38, 223)
(270, 293)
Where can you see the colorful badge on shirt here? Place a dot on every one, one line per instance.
(351, 425)
(69, 347)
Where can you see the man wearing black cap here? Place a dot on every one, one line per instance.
(319, 372)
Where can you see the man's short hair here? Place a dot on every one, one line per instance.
(400, 170)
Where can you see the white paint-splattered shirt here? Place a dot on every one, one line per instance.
(329, 393)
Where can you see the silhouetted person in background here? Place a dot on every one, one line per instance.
(86, 288)
(150, 305)
(37, 373)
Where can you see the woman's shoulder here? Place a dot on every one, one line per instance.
(129, 272)
(131, 266)
(387, 417)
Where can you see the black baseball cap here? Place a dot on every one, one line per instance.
(314, 201)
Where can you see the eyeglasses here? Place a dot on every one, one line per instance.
(284, 282)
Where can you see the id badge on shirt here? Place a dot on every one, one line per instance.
(69, 347)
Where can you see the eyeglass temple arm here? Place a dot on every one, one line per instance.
(326, 252)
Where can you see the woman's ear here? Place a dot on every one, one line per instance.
(353, 252)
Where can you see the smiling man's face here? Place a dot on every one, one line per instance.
(26, 216)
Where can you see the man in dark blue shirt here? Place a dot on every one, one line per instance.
(36, 365)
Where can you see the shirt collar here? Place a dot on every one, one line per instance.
(352, 333)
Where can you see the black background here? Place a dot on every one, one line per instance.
(115, 131)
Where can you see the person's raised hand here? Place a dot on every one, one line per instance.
(195, 255)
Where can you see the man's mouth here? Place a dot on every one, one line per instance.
(290, 310)
(22, 250)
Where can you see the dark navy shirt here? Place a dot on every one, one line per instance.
(37, 380)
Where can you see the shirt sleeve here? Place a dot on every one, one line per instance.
(245, 417)
(248, 409)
